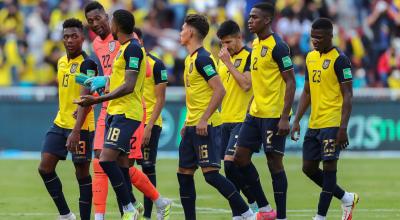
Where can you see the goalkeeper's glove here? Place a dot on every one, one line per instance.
(97, 83)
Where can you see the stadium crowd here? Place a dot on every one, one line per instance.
(368, 31)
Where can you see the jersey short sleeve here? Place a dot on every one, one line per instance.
(343, 69)
(281, 55)
(133, 56)
(247, 65)
(206, 67)
(160, 73)
(89, 68)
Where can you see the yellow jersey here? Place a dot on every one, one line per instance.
(131, 56)
(199, 68)
(156, 74)
(324, 73)
(270, 58)
(234, 105)
(69, 90)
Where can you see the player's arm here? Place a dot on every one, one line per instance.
(205, 66)
(133, 56)
(89, 68)
(160, 80)
(281, 55)
(343, 72)
(243, 79)
(304, 102)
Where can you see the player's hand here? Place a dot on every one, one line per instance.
(201, 128)
(75, 114)
(341, 138)
(107, 88)
(73, 141)
(283, 127)
(86, 100)
(224, 55)
(147, 135)
(295, 133)
(183, 130)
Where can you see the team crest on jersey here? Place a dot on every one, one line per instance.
(74, 66)
(326, 63)
(237, 63)
(264, 51)
(111, 46)
(191, 68)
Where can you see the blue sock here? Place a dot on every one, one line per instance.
(280, 185)
(187, 193)
(227, 189)
(150, 172)
(117, 181)
(327, 192)
(85, 199)
(252, 179)
(233, 174)
(54, 187)
(318, 178)
(127, 178)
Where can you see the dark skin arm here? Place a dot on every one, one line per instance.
(159, 90)
(216, 99)
(346, 89)
(305, 101)
(283, 126)
(124, 89)
(81, 113)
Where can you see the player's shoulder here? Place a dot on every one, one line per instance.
(153, 57)
(62, 60)
(245, 51)
(279, 42)
(340, 54)
(133, 43)
(312, 54)
(202, 52)
(87, 59)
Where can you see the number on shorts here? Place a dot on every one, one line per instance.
(329, 146)
(113, 134)
(146, 153)
(269, 136)
(82, 148)
(203, 152)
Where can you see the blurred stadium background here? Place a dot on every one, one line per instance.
(368, 31)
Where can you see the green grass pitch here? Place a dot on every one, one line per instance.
(23, 195)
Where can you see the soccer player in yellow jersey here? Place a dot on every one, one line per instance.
(268, 120)
(234, 69)
(68, 133)
(124, 110)
(201, 133)
(328, 88)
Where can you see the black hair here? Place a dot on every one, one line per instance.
(124, 20)
(93, 6)
(73, 23)
(227, 28)
(266, 8)
(138, 32)
(199, 22)
(322, 24)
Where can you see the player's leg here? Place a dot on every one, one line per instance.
(249, 141)
(100, 179)
(119, 131)
(81, 159)
(53, 150)
(274, 147)
(208, 156)
(229, 136)
(187, 167)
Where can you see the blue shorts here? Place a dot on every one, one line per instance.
(150, 150)
(56, 139)
(119, 131)
(320, 144)
(256, 131)
(229, 136)
(203, 151)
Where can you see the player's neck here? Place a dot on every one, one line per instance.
(104, 36)
(239, 48)
(328, 48)
(193, 46)
(265, 33)
(72, 56)
(123, 38)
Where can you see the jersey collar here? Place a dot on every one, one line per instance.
(196, 51)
